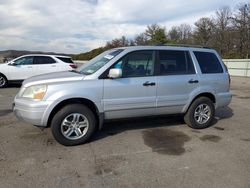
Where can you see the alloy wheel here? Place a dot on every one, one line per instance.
(202, 113)
(74, 126)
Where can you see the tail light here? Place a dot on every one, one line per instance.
(73, 66)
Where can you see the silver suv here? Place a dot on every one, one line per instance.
(124, 83)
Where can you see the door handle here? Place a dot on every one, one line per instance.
(53, 66)
(147, 83)
(29, 66)
(193, 81)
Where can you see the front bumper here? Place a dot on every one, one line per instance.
(31, 111)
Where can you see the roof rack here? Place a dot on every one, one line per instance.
(184, 45)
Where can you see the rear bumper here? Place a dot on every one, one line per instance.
(223, 99)
(30, 111)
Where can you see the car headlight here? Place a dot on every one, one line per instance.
(36, 92)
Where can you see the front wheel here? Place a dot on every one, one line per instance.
(73, 125)
(3, 81)
(200, 114)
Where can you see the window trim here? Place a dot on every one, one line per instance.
(173, 74)
(104, 75)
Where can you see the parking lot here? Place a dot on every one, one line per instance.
(146, 152)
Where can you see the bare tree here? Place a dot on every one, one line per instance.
(141, 39)
(241, 22)
(174, 35)
(223, 30)
(123, 41)
(185, 32)
(204, 31)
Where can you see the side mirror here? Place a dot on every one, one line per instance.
(12, 64)
(115, 73)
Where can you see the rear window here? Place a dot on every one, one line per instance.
(65, 60)
(209, 63)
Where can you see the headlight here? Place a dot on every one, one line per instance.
(36, 92)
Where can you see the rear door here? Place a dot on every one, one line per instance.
(44, 64)
(134, 94)
(212, 72)
(176, 80)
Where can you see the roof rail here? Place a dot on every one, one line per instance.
(184, 45)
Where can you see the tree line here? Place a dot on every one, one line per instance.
(227, 31)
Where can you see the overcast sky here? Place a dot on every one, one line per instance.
(74, 26)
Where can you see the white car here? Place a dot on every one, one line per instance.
(27, 66)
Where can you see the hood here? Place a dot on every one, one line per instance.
(4, 64)
(52, 78)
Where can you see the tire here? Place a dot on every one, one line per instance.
(3, 81)
(195, 117)
(65, 122)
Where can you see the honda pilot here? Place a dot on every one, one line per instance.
(126, 82)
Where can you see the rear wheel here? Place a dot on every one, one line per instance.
(3, 81)
(200, 114)
(73, 125)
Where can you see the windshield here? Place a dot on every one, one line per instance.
(98, 62)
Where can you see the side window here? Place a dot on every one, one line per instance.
(175, 62)
(209, 63)
(43, 60)
(65, 59)
(24, 61)
(136, 64)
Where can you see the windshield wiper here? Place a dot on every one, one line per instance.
(86, 73)
(75, 71)
(78, 72)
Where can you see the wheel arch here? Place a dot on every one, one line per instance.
(206, 94)
(3, 75)
(90, 104)
(209, 95)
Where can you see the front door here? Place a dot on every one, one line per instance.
(134, 94)
(21, 68)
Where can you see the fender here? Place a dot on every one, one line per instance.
(199, 91)
(87, 90)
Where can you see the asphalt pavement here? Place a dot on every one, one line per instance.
(145, 152)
